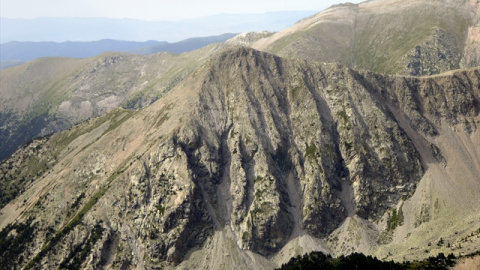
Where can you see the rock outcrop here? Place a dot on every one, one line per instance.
(248, 155)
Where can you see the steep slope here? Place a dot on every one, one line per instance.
(415, 37)
(52, 94)
(254, 159)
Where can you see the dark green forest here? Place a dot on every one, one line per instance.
(319, 261)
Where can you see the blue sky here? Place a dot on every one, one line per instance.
(152, 10)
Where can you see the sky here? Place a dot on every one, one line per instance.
(152, 10)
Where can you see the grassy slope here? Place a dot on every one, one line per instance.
(32, 94)
(375, 35)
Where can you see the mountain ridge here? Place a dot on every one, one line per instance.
(51, 94)
(27, 51)
(238, 146)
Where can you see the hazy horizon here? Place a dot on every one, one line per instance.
(151, 10)
(161, 20)
(144, 20)
(60, 29)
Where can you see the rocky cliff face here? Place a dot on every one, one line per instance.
(253, 159)
(439, 54)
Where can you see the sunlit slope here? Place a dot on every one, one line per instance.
(417, 37)
(51, 94)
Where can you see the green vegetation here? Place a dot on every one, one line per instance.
(80, 252)
(376, 41)
(23, 128)
(40, 155)
(343, 115)
(395, 220)
(283, 43)
(117, 118)
(21, 132)
(77, 218)
(16, 173)
(14, 239)
(75, 204)
(9, 190)
(245, 236)
(160, 208)
(320, 261)
(421, 23)
(163, 115)
(138, 99)
(114, 119)
(311, 151)
(438, 263)
(295, 91)
(345, 123)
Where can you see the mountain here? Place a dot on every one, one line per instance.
(236, 157)
(253, 159)
(27, 51)
(414, 37)
(52, 94)
(88, 29)
(318, 38)
(184, 45)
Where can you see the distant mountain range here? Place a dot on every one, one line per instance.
(27, 51)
